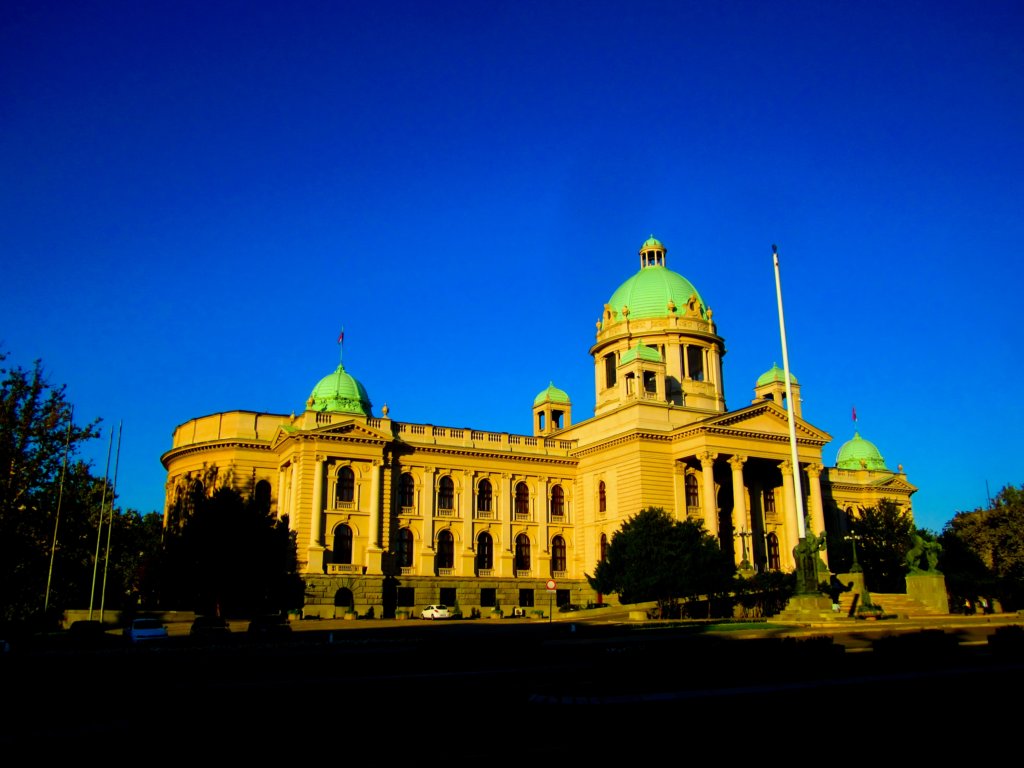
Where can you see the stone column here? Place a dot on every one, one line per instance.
(282, 506)
(817, 508)
(792, 530)
(503, 559)
(375, 511)
(545, 490)
(293, 492)
(739, 495)
(317, 508)
(709, 502)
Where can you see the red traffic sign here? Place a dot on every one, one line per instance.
(551, 585)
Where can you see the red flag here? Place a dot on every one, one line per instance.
(341, 336)
(855, 414)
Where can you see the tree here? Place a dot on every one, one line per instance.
(656, 557)
(983, 551)
(231, 556)
(885, 533)
(35, 427)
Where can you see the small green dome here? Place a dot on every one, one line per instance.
(552, 394)
(859, 453)
(340, 392)
(652, 242)
(774, 374)
(649, 292)
(642, 351)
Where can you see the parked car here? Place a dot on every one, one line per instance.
(272, 625)
(209, 627)
(143, 630)
(436, 612)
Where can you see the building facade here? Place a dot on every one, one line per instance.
(395, 515)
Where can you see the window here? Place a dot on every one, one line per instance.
(346, 485)
(483, 496)
(602, 498)
(343, 598)
(448, 596)
(769, 501)
(526, 598)
(406, 597)
(405, 548)
(488, 597)
(540, 421)
(557, 419)
(773, 552)
(557, 555)
(522, 552)
(445, 550)
(692, 495)
(650, 381)
(604, 547)
(522, 499)
(446, 494)
(557, 501)
(407, 491)
(609, 370)
(563, 597)
(261, 497)
(695, 363)
(343, 544)
(484, 552)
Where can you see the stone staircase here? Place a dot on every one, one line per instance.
(904, 606)
(817, 609)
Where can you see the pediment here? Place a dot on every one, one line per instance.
(346, 428)
(765, 418)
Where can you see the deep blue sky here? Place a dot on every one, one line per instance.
(195, 197)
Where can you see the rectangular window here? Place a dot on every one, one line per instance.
(448, 596)
(488, 597)
(695, 362)
(526, 598)
(563, 597)
(609, 370)
(406, 597)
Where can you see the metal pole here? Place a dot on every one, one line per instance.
(110, 522)
(797, 485)
(60, 498)
(99, 528)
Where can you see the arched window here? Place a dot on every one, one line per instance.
(692, 495)
(445, 550)
(557, 555)
(602, 498)
(522, 552)
(604, 547)
(483, 496)
(446, 494)
(346, 485)
(773, 552)
(261, 496)
(522, 499)
(407, 491)
(405, 548)
(343, 598)
(343, 544)
(769, 501)
(196, 495)
(484, 552)
(557, 501)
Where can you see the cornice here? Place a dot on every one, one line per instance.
(188, 450)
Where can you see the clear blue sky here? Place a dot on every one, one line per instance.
(196, 196)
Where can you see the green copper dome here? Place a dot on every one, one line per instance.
(649, 292)
(642, 351)
(774, 374)
(340, 392)
(859, 453)
(552, 394)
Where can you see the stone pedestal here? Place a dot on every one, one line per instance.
(929, 588)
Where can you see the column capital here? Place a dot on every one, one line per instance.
(786, 467)
(706, 458)
(814, 470)
(737, 462)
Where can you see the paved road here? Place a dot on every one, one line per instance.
(567, 687)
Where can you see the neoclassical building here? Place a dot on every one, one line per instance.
(391, 514)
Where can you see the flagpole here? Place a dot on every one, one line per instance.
(110, 520)
(797, 485)
(60, 498)
(99, 528)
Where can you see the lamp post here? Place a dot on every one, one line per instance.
(853, 538)
(745, 562)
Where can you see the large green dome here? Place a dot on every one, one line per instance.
(649, 292)
(340, 392)
(859, 453)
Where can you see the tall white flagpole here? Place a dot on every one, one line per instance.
(797, 485)
(99, 528)
(110, 520)
(60, 499)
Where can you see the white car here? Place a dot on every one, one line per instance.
(141, 630)
(436, 612)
